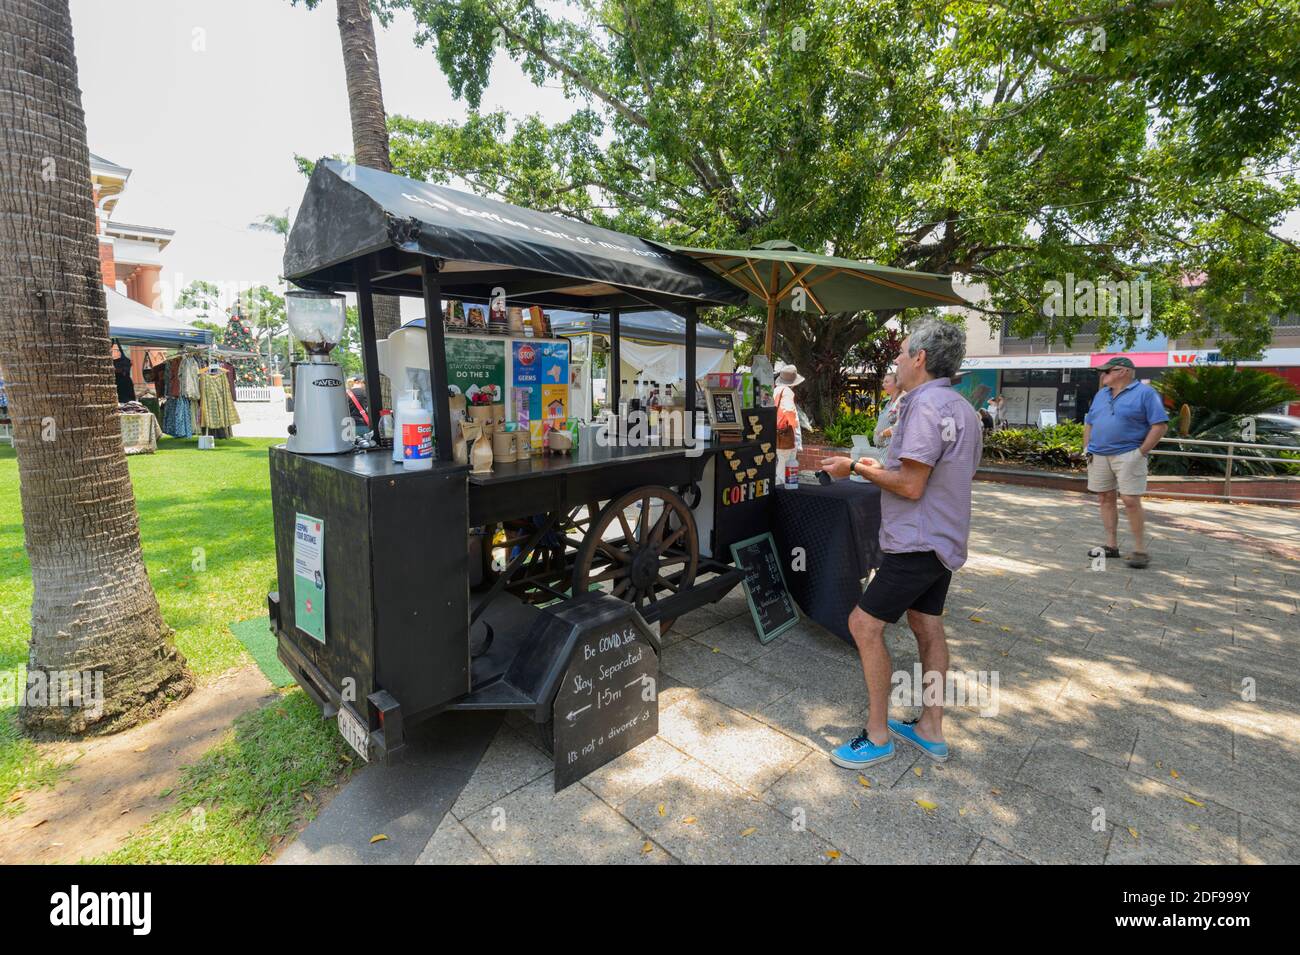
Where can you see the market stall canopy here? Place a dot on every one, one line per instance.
(779, 274)
(351, 212)
(662, 327)
(134, 324)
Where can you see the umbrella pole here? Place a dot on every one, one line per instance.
(770, 338)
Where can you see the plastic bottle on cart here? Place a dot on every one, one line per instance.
(417, 432)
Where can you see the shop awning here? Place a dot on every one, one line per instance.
(351, 212)
(134, 324)
(662, 327)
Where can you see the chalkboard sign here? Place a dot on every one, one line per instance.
(607, 702)
(770, 603)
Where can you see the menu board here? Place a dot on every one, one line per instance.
(770, 603)
(607, 702)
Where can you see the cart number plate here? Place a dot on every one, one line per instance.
(351, 729)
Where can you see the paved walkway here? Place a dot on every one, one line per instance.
(1122, 732)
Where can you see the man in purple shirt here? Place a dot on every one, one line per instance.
(925, 508)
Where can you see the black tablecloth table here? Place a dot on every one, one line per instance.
(838, 527)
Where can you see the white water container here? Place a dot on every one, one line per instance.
(415, 425)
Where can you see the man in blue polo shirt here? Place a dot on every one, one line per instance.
(1127, 419)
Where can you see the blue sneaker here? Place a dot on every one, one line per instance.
(860, 751)
(907, 733)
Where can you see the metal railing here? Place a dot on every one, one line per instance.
(1230, 457)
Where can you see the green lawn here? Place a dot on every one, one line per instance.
(205, 525)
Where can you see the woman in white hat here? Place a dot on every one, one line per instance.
(789, 437)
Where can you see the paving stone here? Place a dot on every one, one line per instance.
(1105, 680)
(573, 827)
(511, 762)
(736, 637)
(453, 845)
(748, 690)
(811, 635)
(697, 621)
(1169, 828)
(872, 824)
(808, 716)
(1034, 825)
(1205, 772)
(702, 818)
(836, 680)
(749, 753)
(1262, 844)
(623, 778)
(694, 664)
(990, 853)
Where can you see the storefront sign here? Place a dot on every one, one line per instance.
(309, 576)
(607, 702)
(1026, 361)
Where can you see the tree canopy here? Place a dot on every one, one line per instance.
(1015, 142)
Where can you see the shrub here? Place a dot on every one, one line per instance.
(1057, 447)
(839, 433)
(1226, 389)
(1221, 397)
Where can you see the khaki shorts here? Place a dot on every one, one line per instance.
(1127, 472)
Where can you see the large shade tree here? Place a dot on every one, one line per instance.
(93, 608)
(1016, 142)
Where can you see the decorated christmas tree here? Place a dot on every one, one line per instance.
(238, 335)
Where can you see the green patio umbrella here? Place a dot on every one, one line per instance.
(775, 272)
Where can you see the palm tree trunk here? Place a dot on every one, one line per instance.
(369, 129)
(93, 608)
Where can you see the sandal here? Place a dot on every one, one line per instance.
(1108, 551)
(1138, 558)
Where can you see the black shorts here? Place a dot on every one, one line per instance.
(916, 581)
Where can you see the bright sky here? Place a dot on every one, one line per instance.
(206, 101)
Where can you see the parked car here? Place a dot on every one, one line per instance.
(1278, 429)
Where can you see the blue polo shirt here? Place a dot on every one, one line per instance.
(1120, 422)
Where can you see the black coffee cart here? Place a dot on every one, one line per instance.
(605, 543)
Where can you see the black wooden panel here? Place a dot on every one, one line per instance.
(419, 527)
(300, 483)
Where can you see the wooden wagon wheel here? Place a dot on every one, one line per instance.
(641, 551)
(546, 569)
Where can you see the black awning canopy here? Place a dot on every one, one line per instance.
(352, 215)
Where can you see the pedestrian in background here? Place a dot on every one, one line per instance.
(887, 417)
(1127, 419)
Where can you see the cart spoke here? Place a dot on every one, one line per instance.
(611, 551)
(657, 534)
(673, 538)
(627, 529)
(664, 582)
(613, 573)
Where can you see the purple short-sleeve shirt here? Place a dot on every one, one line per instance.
(936, 426)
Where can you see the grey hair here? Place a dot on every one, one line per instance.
(944, 344)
